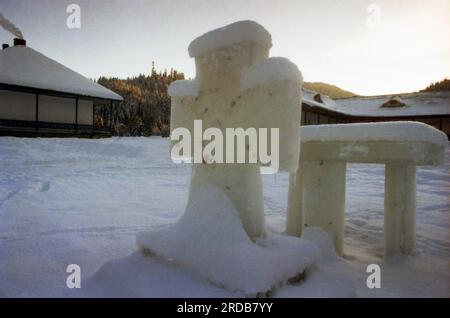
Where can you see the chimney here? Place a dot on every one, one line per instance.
(18, 41)
(5, 46)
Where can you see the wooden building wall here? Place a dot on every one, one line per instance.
(320, 116)
(22, 106)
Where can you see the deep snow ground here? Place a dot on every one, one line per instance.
(66, 201)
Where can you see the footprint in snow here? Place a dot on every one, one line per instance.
(45, 186)
(39, 186)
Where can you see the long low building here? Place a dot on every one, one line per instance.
(431, 108)
(41, 97)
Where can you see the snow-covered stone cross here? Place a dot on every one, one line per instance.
(221, 234)
(238, 86)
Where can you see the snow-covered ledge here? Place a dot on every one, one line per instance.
(317, 189)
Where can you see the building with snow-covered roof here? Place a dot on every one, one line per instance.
(432, 108)
(39, 96)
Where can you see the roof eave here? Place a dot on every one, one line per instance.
(49, 92)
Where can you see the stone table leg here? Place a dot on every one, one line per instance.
(294, 220)
(324, 198)
(399, 209)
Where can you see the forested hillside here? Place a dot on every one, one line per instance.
(145, 109)
(328, 89)
(441, 86)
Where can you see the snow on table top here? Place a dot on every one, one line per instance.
(234, 33)
(23, 66)
(417, 104)
(267, 71)
(386, 131)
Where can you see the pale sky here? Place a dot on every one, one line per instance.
(338, 42)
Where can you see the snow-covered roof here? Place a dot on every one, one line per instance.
(416, 104)
(234, 33)
(326, 102)
(23, 66)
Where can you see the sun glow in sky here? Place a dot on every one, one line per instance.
(368, 47)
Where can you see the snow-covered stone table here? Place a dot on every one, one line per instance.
(317, 189)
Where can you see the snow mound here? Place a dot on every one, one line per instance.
(210, 240)
(183, 88)
(386, 131)
(265, 72)
(323, 240)
(138, 276)
(234, 33)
